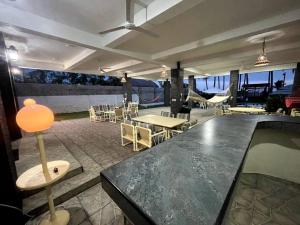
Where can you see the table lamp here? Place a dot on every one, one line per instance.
(35, 118)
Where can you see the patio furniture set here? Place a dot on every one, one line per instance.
(142, 131)
(149, 130)
(113, 113)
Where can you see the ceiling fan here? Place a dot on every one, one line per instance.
(129, 25)
(103, 69)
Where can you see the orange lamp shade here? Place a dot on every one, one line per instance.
(29, 101)
(34, 118)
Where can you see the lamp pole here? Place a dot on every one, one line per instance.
(43, 158)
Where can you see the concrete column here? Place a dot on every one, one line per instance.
(8, 131)
(176, 89)
(192, 86)
(127, 89)
(7, 93)
(233, 85)
(167, 89)
(296, 84)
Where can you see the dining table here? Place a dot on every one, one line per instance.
(167, 123)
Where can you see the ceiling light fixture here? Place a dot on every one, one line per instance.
(15, 71)
(13, 53)
(262, 59)
(163, 73)
(123, 79)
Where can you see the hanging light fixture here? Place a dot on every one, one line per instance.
(163, 74)
(13, 53)
(123, 80)
(15, 71)
(262, 59)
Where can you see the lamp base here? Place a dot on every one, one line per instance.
(62, 218)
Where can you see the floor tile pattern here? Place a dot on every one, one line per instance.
(264, 200)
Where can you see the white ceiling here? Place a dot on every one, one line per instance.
(206, 19)
(39, 50)
(88, 15)
(206, 36)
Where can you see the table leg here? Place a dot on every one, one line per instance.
(168, 133)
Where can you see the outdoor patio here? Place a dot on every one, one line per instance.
(93, 146)
(150, 112)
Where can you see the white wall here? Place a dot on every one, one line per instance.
(75, 103)
(275, 153)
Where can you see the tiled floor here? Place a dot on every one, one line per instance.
(268, 190)
(265, 200)
(91, 207)
(99, 143)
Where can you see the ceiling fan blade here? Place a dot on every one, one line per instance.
(113, 29)
(129, 11)
(142, 30)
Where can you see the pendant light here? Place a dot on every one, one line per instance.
(123, 80)
(262, 59)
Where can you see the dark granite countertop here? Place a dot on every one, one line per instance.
(185, 180)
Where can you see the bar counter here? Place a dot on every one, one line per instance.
(189, 178)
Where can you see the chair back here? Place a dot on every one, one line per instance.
(146, 125)
(119, 112)
(144, 135)
(165, 114)
(104, 108)
(127, 130)
(95, 107)
(184, 116)
(92, 112)
(134, 109)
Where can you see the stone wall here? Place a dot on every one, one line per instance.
(75, 98)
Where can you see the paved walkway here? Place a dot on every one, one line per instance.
(100, 143)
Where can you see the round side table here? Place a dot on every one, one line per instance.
(34, 178)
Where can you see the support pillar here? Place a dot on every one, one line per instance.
(233, 85)
(296, 84)
(271, 81)
(167, 88)
(192, 86)
(127, 89)
(176, 89)
(9, 99)
(8, 131)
